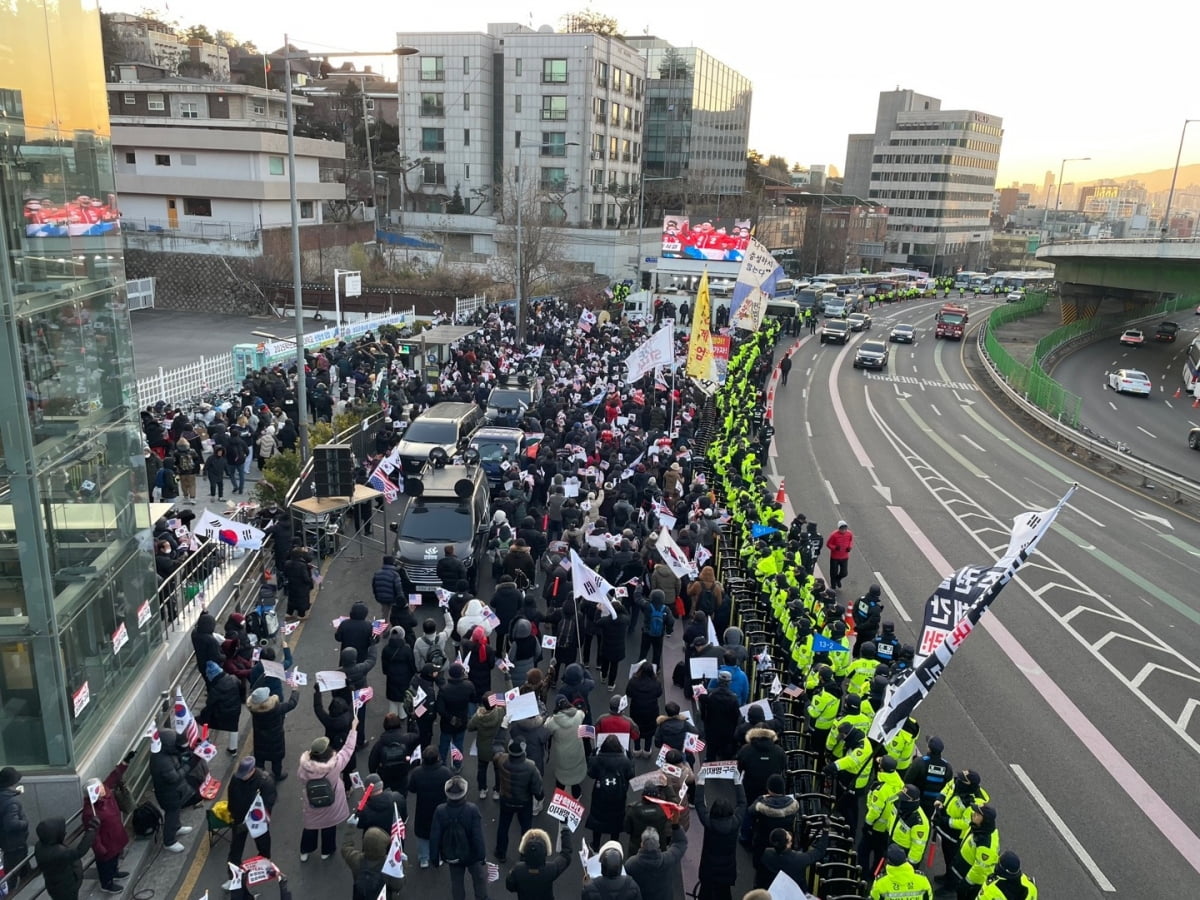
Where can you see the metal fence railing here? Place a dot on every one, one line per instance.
(206, 375)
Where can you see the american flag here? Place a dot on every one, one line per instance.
(399, 831)
(693, 743)
(185, 724)
(455, 753)
(384, 485)
(379, 627)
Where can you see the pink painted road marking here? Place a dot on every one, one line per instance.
(1123, 773)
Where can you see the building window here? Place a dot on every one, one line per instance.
(187, 159)
(597, 212)
(597, 146)
(433, 139)
(554, 108)
(306, 209)
(629, 83)
(162, 159)
(517, 103)
(155, 102)
(466, 65)
(517, 139)
(128, 99)
(597, 178)
(189, 109)
(601, 74)
(600, 108)
(275, 165)
(553, 179)
(612, 148)
(433, 68)
(434, 173)
(466, 102)
(519, 67)
(615, 117)
(197, 206)
(626, 155)
(616, 82)
(467, 171)
(258, 107)
(554, 71)
(433, 105)
(130, 158)
(466, 137)
(554, 143)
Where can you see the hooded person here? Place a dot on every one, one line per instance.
(206, 644)
(521, 793)
(758, 760)
(1008, 882)
(577, 687)
(111, 835)
(722, 823)
(356, 668)
(323, 798)
(14, 827)
(481, 660)
(774, 809)
(567, 751)
(399, 665)
(61, 865)
(172, 790)
(391, 755)
(473, 616)
(248, 782)
(357, 630)
(533, 877)
(611, 770)
(223, 706)
(613, 883)
(524, 649)
(366, 865)
(267, 713)
(453, 708)
(337, 721)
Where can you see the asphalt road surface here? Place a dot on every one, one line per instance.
(1155, 428)
(1076, 699)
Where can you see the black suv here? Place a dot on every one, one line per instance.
(507, 402)
(835, 331)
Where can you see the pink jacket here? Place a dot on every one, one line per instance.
(338, 811)
(839, 544)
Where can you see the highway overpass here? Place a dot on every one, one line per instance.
(1129, 271)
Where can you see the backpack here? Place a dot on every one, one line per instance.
(435, 656)
(185, 462)
(455, 846)
(146, 820)
(392, 756)
(369, 882)
(610, 786)
(655, 624)
(706, 601)
(319, 793)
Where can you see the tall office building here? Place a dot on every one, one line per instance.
(697, 119)
(935, 170)
(566, 106)
(79, 621)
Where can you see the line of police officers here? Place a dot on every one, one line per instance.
(900, 801)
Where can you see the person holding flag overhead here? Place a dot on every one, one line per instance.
(367, 866)
(172, 790)
(251, 790)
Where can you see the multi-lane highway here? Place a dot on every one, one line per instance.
(1155, 428)
(1076, 702)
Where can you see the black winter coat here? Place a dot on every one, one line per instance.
(299, 582)
(388, 586)
(640, 815)
(720, 712)
(606, 812)
(169, 775)
(454, 700)
(761, 758)
(537, 882)
(395, 777)
(378, 811)
(336, 720)
(14, 828)
(60, 864)
(243, 790)
(644, 695)
(718, 859)
(399, 665)
(267, 725)
(672, 731)
(612, 633)
(507, 601)
(206, 644)
(620, 887)
(356, 631)
(429, 784)
(223, 706)
(656, 871)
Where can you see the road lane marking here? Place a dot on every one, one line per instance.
(1113, 405)
(1056, 820)
(935, 409)
(895, 598)
(972, 443)
(832, 495)
(808, 427)
(1144, 431)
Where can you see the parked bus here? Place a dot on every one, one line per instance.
(1191, 367)
(966, 280)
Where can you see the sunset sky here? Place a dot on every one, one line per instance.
(1068, 81)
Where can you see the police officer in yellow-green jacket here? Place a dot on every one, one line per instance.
(899, 880)
(908, 826)
(978, 852)
(850, 713)
(1009, 882)
(958, 796)
(879, 801)
(853, 770)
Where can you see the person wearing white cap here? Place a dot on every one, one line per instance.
(839, 544)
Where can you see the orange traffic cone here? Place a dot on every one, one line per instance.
(781, 494)
(1196, 402)
(1177, 392)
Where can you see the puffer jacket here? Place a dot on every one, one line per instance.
(642, 814)
(60, 864)
(769, 812)
(761, 758)
(663, 579)
(331, 769)
(532, 732)
(356, 631)
(266, 720)
(376, 843)
(567, 751)
(718, 859)
(399, 665)
(378, 813)
(206, 644)
(473, 616)
(518, 780)
(223, 708)
(169, 775)
(672, 731)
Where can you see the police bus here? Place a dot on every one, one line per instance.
(1191, 367)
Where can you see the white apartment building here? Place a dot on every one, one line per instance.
(935, 170)
(568, 107)
(209, 161)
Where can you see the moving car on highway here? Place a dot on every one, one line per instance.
(1166, 331)
(1129, 381)
(1132, 337)
(835, 331)
(903, 334)
(1194, 438)
(859, 321)
(871, 355)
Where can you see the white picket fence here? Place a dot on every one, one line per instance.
(181, 384)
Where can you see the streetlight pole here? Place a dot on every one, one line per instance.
(297, 277)
(362, 83)
(1058, 194)
(1166, 225)
(401, 52)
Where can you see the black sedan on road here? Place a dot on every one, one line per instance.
(903, 334)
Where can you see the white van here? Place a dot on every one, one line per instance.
(836, 307)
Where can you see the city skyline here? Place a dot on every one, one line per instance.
(811, 92)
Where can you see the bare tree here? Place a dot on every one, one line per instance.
(589, 22)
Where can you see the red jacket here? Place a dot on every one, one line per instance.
(840, 543)
(111, 837)
(616, 724)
